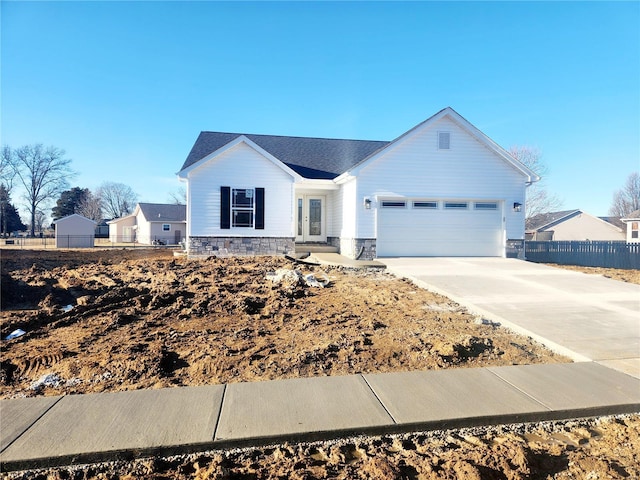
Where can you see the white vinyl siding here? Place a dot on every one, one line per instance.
(75, 231)
(415, 168)
(349, 208)
(230, 168)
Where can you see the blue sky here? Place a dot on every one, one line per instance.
(126, 87)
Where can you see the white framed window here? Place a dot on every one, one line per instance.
(456, 205)
(393, 204)
(634, 229)
(425, 204)
(242, 207)
(485, 205)
(444, 140)
(166, 227)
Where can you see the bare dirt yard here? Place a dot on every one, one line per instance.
(629, 276)
(110, 320)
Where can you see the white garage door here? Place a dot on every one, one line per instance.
(439, 228)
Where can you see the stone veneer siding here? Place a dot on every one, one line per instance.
(240, 246)
(515, 249)
(350, 247)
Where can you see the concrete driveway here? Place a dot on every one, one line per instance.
(586, 317)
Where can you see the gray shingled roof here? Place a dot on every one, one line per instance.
(162, 212)
(615, 221)
(634, 214)
(316, 158)
(545, 219)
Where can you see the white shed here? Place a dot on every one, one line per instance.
(75, 231)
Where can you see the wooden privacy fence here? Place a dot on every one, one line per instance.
(587, 254)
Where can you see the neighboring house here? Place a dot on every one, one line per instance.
(150, 223)
(102, 229)
(442, 188)
(632, 222)
(572, 225)
(74, 231)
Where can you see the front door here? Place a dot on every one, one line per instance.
(310, 218)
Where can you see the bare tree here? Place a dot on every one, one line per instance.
(43, 172)
(40, 220)
(117, 199)
(7, 172)
(90, 207)
(179, 197)
(539, 200)
(627, 199)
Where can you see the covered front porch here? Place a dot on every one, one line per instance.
(314, 215)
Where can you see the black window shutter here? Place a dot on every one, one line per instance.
(225, 207)
(259, 208)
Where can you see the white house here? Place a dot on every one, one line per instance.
(571, 225)
(442, 188)
(150, 223)
(75, 231)
(632, 222)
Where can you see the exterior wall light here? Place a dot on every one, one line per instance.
(367, 203)
(517, 207)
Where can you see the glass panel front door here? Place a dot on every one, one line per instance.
(310, 218)
(315, 217)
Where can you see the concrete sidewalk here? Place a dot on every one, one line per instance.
(50, 431)
(337, 260)
(587, 317)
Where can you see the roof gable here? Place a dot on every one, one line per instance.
(465, 126)
(313, 158)
(229, 146)
(74, 215)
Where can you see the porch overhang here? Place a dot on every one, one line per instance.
(314, 184)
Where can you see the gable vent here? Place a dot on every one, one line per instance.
(444, 140)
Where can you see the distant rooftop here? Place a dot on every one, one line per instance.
(545, 219)
(164, 212)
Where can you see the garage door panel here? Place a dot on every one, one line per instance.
(426, 232)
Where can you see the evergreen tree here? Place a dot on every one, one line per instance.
(9, 218)
(69, 202)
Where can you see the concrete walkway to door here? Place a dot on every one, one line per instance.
(586, 317)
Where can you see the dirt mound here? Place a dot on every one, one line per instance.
(130, 319)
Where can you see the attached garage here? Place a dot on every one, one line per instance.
(454, 228)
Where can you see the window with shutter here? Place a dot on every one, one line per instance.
(259, 208)
(242, 208)
(225, 208)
